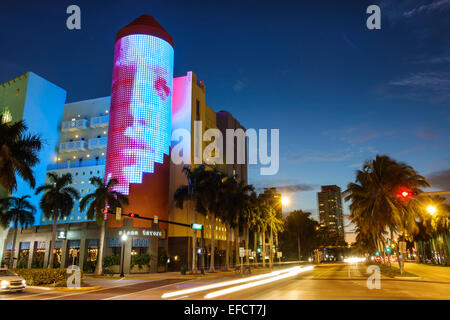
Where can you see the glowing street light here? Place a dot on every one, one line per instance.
(285, 201)
(431, 209)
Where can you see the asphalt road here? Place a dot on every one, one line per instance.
(334, 282)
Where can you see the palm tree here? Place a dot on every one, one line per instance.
(191, 192)
(18, 154)
(103, 197)
(211, 201)
(375, 202)
(276, 224)
(16, 211)
(57, 202)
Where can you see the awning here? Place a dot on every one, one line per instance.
(58, 244)
(141, 242)
(114, 243)
(92, 243)
(73, 243)
(24, 246)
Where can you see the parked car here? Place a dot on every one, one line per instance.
(9, 281)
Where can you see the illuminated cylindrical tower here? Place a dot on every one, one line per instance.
(140, 116)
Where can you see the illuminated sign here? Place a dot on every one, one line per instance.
(196, 226)
(141, 106)
(149, 233)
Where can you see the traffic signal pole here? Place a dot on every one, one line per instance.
(194, 226)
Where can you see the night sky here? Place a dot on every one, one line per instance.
(338, 92)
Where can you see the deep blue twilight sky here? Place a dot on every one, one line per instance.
(338, 92)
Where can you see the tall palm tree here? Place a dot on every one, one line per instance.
(18, 154)
(211, 201)
(275, 224)
(103, 197)
(57, 202)
(16, 211)
(375, 202)
(191, 193)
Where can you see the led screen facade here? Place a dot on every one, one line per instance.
(141, 105)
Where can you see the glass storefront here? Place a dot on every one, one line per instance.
(73, 252)
(57, 254)
(38, 254)
(92, 254)
(24, 253)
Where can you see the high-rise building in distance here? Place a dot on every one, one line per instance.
(330, 210)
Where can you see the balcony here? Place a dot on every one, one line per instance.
(97, 143)
(79, 145)
(74, 125)
(100, 121)
(76, 164)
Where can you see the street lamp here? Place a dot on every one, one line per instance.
(285, 201)
(124, 238)
(431, 209)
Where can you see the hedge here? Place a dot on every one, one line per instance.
(45, 277)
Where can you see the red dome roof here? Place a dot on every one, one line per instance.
(145, 24)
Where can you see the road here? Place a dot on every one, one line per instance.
(329, 282)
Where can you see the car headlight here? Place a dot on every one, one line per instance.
(24, 282)
(4, 284)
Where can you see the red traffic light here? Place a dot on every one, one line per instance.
(133, 215)
(405, 194)
(105, 211)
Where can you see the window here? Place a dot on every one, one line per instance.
(197, 109)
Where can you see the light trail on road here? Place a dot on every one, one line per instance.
(291, 273)
(226, 283)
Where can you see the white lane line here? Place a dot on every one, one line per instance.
(141, 291)
(225, 283)
(84, 292)
(257, 283)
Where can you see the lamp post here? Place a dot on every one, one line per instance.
(122, 260)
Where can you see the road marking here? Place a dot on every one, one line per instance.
(84, 292)
(141, 291)
(30, 295)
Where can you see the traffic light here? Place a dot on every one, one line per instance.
(118, 213)
(105, 213)
(388, 250)
(133, 215)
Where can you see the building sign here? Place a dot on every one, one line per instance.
(148, 233)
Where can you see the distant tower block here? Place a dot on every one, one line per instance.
(140, 117)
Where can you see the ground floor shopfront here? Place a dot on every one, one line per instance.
(78, 244)
(145, 249)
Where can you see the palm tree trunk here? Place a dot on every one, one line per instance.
(213, 229)
(99, 265)
(194, 241)
(255, 245)
(271, 248)
(237, 241)
(246, 245)
(264, 247)
(227, 250)
(52, 244)
(13, 249)
(446, 251)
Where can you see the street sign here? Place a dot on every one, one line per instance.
(118, 213)
(155, 219)
(402, 246)
(241, 252)
(279, 254)
(196, 226)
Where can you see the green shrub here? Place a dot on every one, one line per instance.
(140, 260)
(111, 261)
(45, 277)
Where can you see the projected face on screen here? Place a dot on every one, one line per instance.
(141, 102)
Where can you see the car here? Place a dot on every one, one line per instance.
(9, 281)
